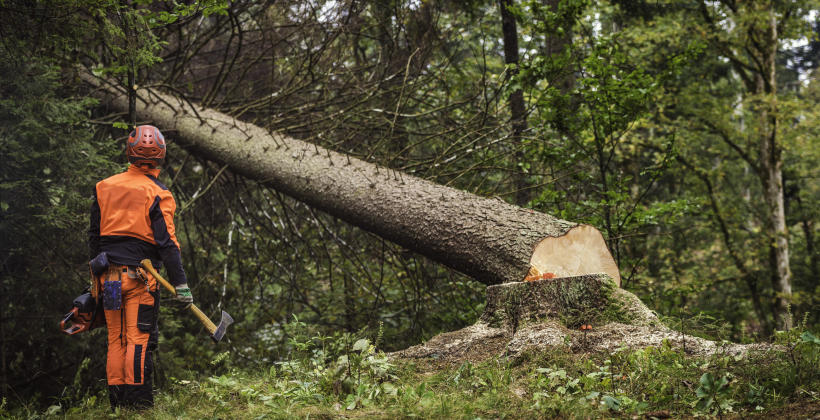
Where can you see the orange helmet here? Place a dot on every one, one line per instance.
(146, 146)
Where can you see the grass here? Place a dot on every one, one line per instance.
(342, 376)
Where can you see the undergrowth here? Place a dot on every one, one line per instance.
(346, 375)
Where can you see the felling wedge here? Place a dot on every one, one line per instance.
(217, 331)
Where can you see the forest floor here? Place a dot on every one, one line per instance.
(524, 358)
(558, 382)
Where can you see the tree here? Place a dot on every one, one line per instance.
(518, 111)
(590, 96)
(490, 240)
(750, 36)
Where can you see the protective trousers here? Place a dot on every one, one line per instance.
(132, 334)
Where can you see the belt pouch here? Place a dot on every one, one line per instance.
(99, 264)
(112, 295)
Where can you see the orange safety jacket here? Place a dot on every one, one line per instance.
(132, 218)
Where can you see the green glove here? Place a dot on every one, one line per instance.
(184, 294)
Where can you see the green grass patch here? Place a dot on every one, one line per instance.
(344, 375)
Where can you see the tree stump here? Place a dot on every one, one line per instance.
(549, 313)
(592, 299)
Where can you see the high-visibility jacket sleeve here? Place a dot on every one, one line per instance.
(94, 229)
(162, 224)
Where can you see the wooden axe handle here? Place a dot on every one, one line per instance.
(203, 318)
(146, 264)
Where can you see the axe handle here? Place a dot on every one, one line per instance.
(146, 264)
(203, 318)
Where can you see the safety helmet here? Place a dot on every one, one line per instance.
(146, 146)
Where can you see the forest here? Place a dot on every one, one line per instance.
(362, 186)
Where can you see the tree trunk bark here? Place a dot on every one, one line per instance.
(771, 174)
(487, 239)
(518, 111)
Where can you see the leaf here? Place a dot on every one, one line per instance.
(361, 345)
(427, 401)
(558, 374)
(611, 402)
(120, 124)
(808, 337)
(707, 381)
(390, 389)
(352, 400)
(705, 404)
(722, 383)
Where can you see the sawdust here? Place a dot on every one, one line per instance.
(543, 314)
(475, 343)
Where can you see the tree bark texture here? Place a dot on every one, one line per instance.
(754, 60)
(487, 239)
(771, 174)
(518, 111)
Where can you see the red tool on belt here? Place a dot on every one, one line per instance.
(84, 316)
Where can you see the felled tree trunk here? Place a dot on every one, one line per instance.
(487, 239)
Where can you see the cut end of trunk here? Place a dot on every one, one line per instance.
(582, 250)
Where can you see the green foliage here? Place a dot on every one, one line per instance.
(128, 31)
(713, 111)
(628, 127)
(552, 383)
(343, 365)
(653, 379)
(50, 162)
(713, 394)
(638, 122)
(593, 99)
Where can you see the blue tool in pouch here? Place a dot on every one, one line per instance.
(112, 294)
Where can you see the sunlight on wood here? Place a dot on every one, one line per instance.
(581, 251)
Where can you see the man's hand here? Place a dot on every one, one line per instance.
(184, 295)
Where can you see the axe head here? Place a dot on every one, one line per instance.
(223, 325)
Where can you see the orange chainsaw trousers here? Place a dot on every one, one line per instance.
(132, 335)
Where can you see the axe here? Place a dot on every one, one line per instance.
(217, 331)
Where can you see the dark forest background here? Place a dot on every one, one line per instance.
(647, 119)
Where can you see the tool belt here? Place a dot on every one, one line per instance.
(112, 287)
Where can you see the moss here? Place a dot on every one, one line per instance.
(505, 309)
(616, 310)
(572, 300)
(590, 299)
(512, 308)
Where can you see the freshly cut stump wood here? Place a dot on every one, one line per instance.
(581, 250)
(485, 238)
(546, 314)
